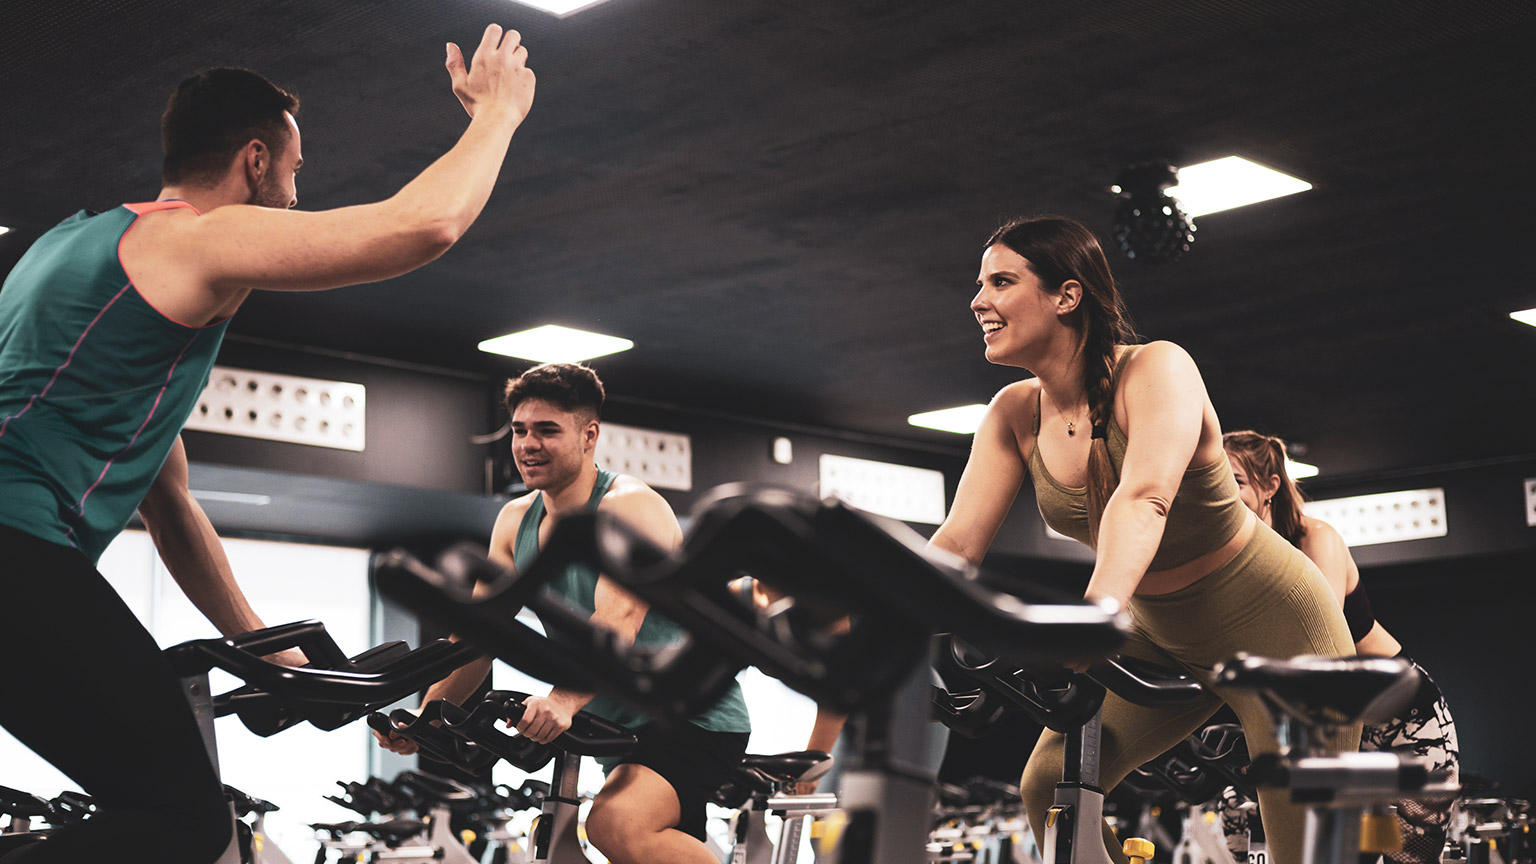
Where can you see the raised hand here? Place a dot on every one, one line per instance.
(497, 76)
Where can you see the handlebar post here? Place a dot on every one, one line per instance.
(1084, 746)
(558, 815)
(200, 699)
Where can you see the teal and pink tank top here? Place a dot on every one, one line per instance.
(95, 383)
(578, 585)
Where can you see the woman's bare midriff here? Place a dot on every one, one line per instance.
(1174, 578)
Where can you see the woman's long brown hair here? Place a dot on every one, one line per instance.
(1059, 249)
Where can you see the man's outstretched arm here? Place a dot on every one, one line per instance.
(240, 247)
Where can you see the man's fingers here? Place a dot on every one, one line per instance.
(488, 43)
(455, 64)
(512, 41)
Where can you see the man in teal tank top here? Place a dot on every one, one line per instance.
(651, 808)
(109, 325)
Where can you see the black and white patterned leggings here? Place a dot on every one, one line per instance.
(1423, 729)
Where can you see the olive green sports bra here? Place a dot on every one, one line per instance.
(1205, 514)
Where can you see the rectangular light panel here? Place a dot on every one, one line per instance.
(1525, 316)
(3, 229)
(965, 419)
(1299, 470)
(560, 8)
(1222, 184)
(898, 491)
(1387, 517)
(555, 344)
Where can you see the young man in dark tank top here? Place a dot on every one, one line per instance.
(651, 808)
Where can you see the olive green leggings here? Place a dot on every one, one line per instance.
(1269, 600)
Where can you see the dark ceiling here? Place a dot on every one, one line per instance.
(782, 201)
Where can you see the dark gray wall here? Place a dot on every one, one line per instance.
(1466, 621)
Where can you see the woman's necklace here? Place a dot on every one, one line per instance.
(1071, 425)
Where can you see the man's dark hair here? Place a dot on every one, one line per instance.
(215, 113)
(569, 386)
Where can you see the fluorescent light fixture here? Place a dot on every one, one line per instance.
(1299, 470)
(555, 344)
(560, 8)
(1222, 184)
(965, 419)
(1525, 316)
(231, 497)
(4, 229)
(1385, 517)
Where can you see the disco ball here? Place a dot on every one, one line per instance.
(1150, 226)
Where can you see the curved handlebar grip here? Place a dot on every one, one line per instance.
(396, 677)
(437, 743)
(589, 734)
(1146, 683)
(972, 713)
(479, 726)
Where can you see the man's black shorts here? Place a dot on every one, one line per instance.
(695, 761)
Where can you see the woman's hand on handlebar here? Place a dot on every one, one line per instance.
(290, 657)
(396, 744)
(545, 718)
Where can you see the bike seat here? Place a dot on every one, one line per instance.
(745, 783)
(1326, 691)
(245, 804)
(799, 765)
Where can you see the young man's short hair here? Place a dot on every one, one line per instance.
(568, 386)
(213, 114)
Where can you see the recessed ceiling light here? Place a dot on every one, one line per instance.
(560, 8)
(1299, 470)
(3, 229)
(964, 419)
(1525, 316)
(555, 344)
(1210, 187)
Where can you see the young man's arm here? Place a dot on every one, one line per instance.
(462, 682)
(615, 608)
(194, 555)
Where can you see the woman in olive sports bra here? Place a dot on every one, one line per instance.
(1422, 728)
(1123, 449)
